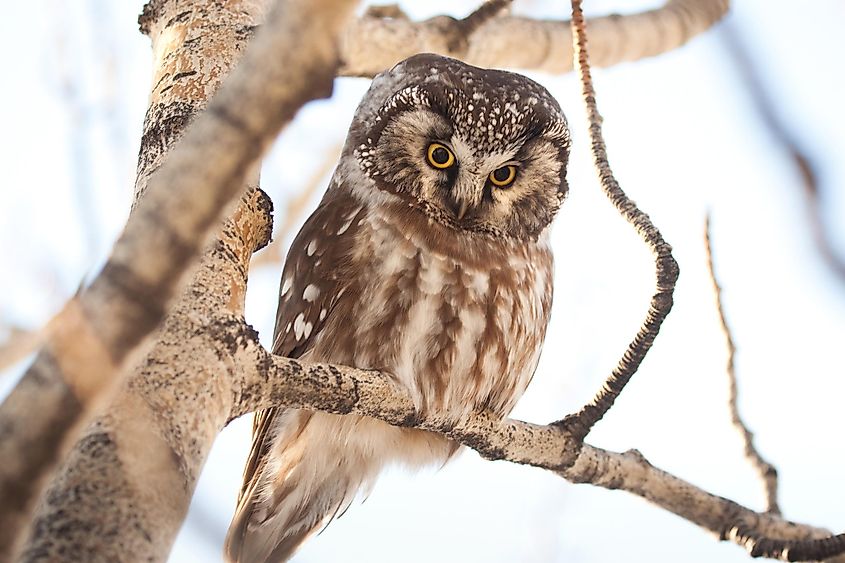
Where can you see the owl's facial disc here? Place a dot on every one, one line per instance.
(477, 150)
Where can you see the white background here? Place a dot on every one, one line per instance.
(684, 136)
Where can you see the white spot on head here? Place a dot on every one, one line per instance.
(312, 248)
(311, 293)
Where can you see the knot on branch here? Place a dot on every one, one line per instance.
(149, 15)
(263, 228)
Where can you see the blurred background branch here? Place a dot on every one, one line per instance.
(770, 112)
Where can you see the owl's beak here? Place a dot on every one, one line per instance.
(461, 209)
(464, 195)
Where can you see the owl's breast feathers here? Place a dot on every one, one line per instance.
(457, 319)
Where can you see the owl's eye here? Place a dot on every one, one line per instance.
(504, 176)
(440, 156)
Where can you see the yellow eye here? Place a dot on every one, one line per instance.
(440, 156)
(504, 176)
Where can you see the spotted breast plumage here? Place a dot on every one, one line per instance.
(428, 259)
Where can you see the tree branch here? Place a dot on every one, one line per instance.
(666, 268)
(767, 472)
(373, 43)
(101, 335)
(265, 380)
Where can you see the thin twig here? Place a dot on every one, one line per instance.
(665, 265)
(768, 473)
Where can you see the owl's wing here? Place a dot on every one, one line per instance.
(314, 277)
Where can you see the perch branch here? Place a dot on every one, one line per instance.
(374, 43)
(666, 268)
(768, 473)
(265, 380)
(101, 334)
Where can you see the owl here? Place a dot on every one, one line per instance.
(428, 260)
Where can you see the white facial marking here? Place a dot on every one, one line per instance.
(311, 293)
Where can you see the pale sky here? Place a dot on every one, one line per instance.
(683, 137)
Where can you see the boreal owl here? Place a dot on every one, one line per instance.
(428, 259)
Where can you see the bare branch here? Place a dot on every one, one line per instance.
(666, 267)
(265, 380)
(372, 44)
(768, 473)
(101, 334)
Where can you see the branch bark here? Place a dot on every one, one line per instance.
(666, 268)
(103, 333)
(374, 43)
(766, 471)
(264, 380)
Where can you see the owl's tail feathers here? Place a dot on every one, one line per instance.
(291, 498)
(270, 532)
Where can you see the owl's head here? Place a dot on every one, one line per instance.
(476, 150)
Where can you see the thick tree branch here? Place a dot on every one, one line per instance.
(373, 43)
(101, 334)
(265, 380)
